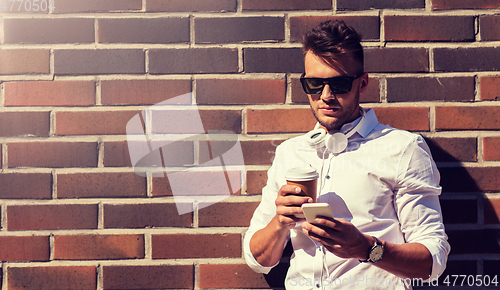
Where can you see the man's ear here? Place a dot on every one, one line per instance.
(363, 83)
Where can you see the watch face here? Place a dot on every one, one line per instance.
(376, 253)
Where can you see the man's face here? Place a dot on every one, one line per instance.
(332, 111)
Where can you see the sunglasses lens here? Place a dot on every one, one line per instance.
(312, 86)
(340, 85)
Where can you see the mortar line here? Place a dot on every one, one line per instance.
(97, 92)
(2, 95)
(3, 221)
(54, 184)
(5, 277)
(432, 119)
(191, 32)
(100, 153)
(148, 246)
(4, 157)
(100, 277)
(100, 216)
(51, 247)
(477, 90)
(286, 23)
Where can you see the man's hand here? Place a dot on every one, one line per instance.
(288, 203)
(340, 237)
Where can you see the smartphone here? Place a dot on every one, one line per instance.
(313, 210)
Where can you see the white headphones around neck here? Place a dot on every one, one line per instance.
(334, 142)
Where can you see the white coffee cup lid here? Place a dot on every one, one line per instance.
(301, 174)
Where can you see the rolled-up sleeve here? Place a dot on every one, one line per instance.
(417, 203)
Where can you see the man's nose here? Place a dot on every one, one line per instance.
(327, 93)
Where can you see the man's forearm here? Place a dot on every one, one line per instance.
(411, 260)
(267, 244)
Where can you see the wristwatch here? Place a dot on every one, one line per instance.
(375, 253)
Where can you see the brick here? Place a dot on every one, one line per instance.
(256, 180)
(490, 268)
(474, 241)
(459, 211)
(286, 5)
(273, 60)
(467, 59)
(99, 61)
(239, 29)
(116, 154)
(92, 122)
(106, 185)
(490, 148)
(98, 247)
(259, 152)
(371, 95)
(396, 59)
(185, 246)
(154, 215)
(44, 30)
(491, 211)
(367, 26)
(144, 30)
(219, 276)
(71, 6)
(453, 149)
(448, 89)
(467, 118)
(55, 277)
(489, 87)
(424, 28)
(52, 154)
(227, 214)
(168, 154)
(240, 91)
(464, 4)
(470, 179)
(379, 4)
(24, 61)
(406, 118)
(26, 185)
(193, 60)
(148, 277)
(175, 121)
(214, 183)
(24, 248)
(278, 120)
(144, 92)
(191, 6)
(489, 27)
(458, 267)
(24, 124)
(50, 93)
(52, 217)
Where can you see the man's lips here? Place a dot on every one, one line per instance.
(329, 110)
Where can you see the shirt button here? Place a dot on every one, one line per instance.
(317, 285)
(327, 177)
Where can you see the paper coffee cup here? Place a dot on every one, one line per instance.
(306, 179)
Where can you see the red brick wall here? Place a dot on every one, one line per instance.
(73, 213)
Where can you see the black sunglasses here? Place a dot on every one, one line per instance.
(338, 85)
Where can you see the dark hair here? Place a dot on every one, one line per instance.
(333, 40)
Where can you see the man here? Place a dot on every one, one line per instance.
(383, 188)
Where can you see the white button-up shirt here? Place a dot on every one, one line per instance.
(385, 183)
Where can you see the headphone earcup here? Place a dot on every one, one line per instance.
(316, 137)
(336, 142)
